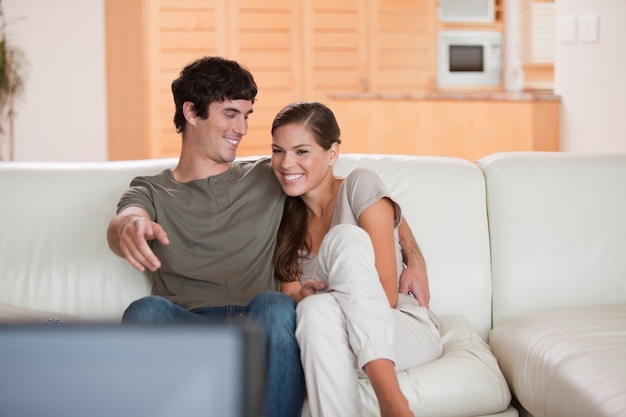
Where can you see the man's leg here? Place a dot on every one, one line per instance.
(285, 379)
(157, 310)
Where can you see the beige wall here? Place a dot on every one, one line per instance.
(62, 116)
(590, 78)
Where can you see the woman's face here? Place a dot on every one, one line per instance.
(301, 165)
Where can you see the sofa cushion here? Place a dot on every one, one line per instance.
(557, 227)
(466, 380)
(14, 314)
(567, 362)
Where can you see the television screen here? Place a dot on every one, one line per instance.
(151, 371)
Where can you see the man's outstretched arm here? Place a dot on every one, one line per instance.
(128, 235)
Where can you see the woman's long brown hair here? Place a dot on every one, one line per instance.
(292, 233)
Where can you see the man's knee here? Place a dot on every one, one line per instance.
(274, 309)
(149, 309)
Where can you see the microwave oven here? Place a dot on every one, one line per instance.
(469, 58)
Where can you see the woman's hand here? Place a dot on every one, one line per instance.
(299, 291)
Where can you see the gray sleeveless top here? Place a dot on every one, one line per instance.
(359, 190)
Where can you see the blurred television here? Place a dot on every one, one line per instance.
(138, 371)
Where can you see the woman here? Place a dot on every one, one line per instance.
(338, 256)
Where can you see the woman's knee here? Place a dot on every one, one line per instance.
(347, 239)
(346, 232)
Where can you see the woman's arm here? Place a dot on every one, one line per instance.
(298, 291)
(377, 220)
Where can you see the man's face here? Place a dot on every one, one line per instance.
(220, 134)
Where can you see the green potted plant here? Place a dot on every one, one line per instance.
(12, 63)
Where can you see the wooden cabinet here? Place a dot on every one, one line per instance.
(147, 44)
(465, 126)
(296, 50)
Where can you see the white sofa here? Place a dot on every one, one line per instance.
(558, 244)
(55, 262)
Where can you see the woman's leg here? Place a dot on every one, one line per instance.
(327, 357)
(330, 364)
(346, 262)
(416, 339)
(391, 400)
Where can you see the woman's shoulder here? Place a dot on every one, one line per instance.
(362, 176)
(363, 173)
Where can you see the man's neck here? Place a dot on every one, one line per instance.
(191, 169)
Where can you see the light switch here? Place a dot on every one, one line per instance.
(588, 28)
(566, 27)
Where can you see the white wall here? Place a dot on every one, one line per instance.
(591, 79)
(62, 114)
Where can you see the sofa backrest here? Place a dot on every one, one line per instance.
(54, 254)
(443, 200)
(557, 224)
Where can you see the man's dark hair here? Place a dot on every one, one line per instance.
(210, 79)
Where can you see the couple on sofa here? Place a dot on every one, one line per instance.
(215, 233)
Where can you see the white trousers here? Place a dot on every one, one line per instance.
(350, 324)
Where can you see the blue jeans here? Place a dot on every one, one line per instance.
(277, 315)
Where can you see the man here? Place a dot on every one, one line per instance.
(206, 230)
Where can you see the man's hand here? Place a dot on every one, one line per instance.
(128, 235)
(414, 280)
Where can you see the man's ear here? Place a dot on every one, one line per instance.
(333, 154)
(189, 112)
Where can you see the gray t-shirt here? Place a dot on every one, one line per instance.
(358, 191)
(222, 233)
